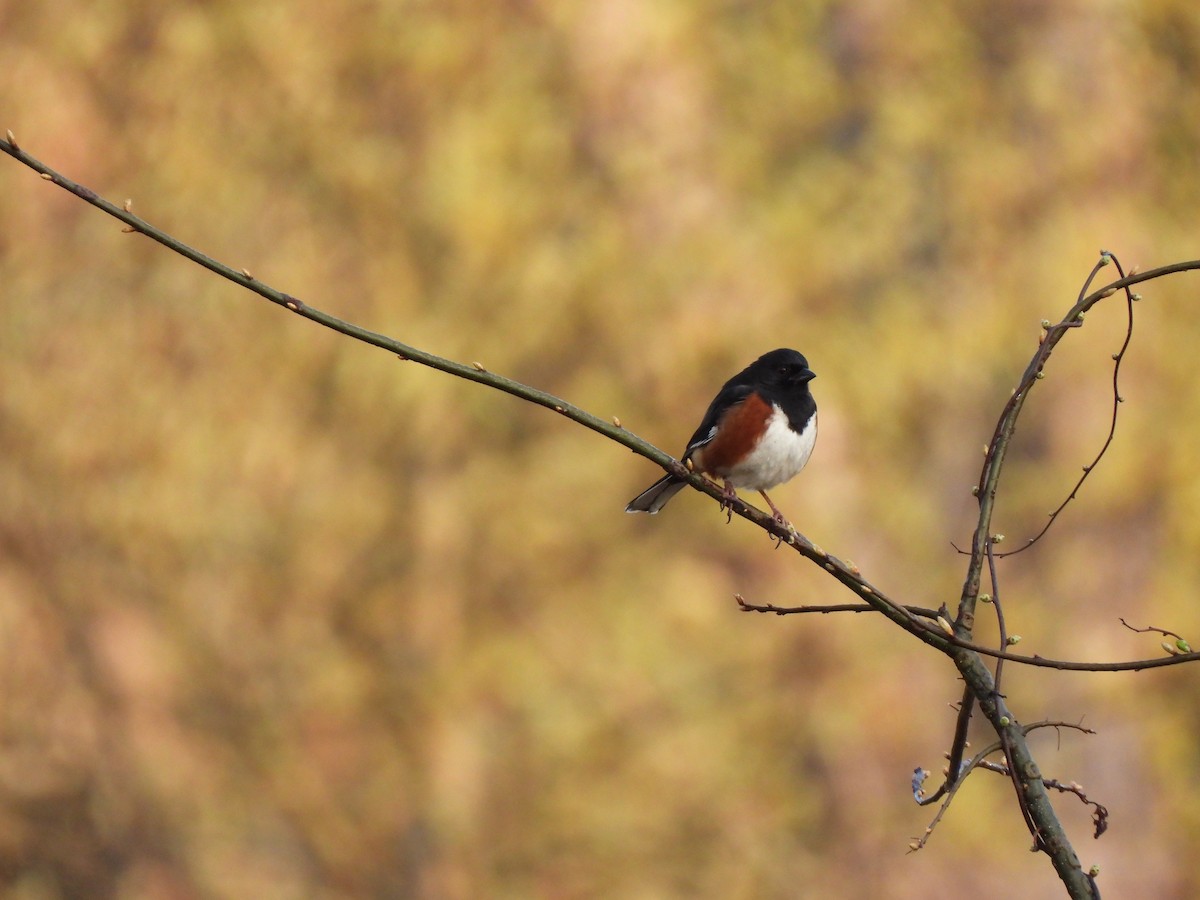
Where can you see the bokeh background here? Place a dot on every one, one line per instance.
(281, 616)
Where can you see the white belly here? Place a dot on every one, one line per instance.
(779, 456)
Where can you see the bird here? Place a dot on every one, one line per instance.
(759, 431)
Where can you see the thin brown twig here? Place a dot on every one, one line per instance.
(1099, 811)
(745, 606)
(1036, 660)
(947, 792)
(1118, 358)
(1151, 628)
(979, 761)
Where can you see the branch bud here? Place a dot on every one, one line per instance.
(617, 421)
(945, 626)
(985, 598)
(12, 140)
(1013, 640)
(1169, 647)
(1184, 646)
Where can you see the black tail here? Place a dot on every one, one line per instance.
(655, 497)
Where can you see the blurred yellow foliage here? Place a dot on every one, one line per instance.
(281, 616)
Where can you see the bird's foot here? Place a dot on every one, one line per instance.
(780, 519)
(728, 496)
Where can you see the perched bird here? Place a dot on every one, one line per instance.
(759, 431)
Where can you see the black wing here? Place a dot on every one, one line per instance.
(731, 395)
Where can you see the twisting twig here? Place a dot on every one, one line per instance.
(1118, 358)
(1150, 628)
(1099, 810)
(946, 792)
(1181, 647)
(997, 448)
(954, 780)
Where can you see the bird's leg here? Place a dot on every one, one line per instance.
(728, 495)
(780, 518)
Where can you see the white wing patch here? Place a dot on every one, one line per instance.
(707, 439)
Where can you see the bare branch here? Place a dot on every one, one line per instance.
(746, 606)
(1118, 358)
(1038, 661)
(954, 780)
(1006, 425)
(1181, 647)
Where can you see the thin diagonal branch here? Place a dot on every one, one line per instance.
(843, 571)
(947, 791)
